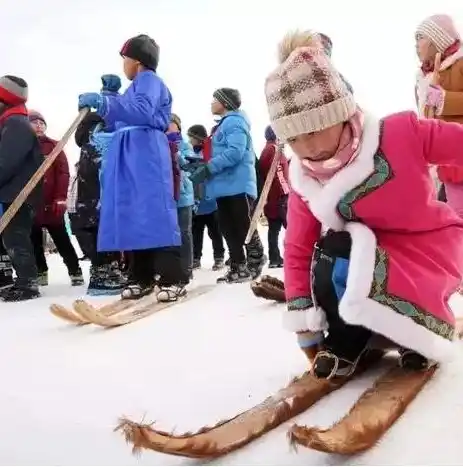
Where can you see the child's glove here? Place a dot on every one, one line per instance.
(111, 83)
(200, 174)
(92, 100)
(435, 98)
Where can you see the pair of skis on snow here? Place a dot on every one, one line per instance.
(368, 420)
(120, 312)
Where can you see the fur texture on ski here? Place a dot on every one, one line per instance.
(269, 288)
(377, 409)
(229, 435)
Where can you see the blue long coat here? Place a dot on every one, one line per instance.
(138, 210)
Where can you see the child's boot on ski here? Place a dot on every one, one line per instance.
(413, 361)
(6, 272)
(171, 293)
(133, 291)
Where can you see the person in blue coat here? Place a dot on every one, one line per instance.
(231, 180)
(138, 211)
(186, 200)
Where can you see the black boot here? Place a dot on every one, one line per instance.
(327, 365)
(133, 291)
(236, 274)
(6, 272)
(218, 264)
(413, 361)
(19, 293)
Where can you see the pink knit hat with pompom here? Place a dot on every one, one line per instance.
(440, 30)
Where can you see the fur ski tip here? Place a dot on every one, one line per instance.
(134, 434)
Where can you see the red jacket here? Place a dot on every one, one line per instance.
(280, 185)
(55, 184)
(447, 173)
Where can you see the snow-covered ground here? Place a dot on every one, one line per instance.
(63, 388)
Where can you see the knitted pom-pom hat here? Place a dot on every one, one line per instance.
(306, 94)
(440, 30)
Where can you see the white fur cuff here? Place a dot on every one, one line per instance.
(310, 319)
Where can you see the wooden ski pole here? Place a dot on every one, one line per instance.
(35, 179)
(428, 111)
(263, 196)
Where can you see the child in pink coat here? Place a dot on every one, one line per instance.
(368, 249)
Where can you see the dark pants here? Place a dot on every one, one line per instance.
(63, 244)
(18, 244)
(235, 214)
(442, 195)
(344, 340)
(185, 216)
(87, 239)
(211, 221)
(274, 228)
(166, 263)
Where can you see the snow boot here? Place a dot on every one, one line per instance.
(77, 278)
(276, 264)
(171, 294)
(218, 264)
(327, 365)
(133, 291)
(413, 361)
(6, 272)
(196, 264)
(235, 275)
(42, 279)
(104, 282)
(19, 294)
(255, 265)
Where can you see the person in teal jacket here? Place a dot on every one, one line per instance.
(231, 175)
(186, 201)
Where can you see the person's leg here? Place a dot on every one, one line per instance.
(213, 230)
(198, 239)
(6, 268)
(345, 343)
(37, 239)
(274, 227)
(18, 244)
(184, 221)
(66, 250)
(141, 274)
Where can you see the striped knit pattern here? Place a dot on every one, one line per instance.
(306, 94)
(440, 30)
(13, 90)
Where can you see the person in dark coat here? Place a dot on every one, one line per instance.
(20, 157)
(50, 213)
(84, 213)
(277, 199)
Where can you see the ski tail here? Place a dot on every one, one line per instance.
(229, 435)
(377, 409)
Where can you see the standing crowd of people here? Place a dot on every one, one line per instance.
(143, 193)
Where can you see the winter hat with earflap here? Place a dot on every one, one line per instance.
(198, 132)
(306, 94)
(143, 49)
(13, 90)
(34, 115)
(228, 97)
(270, 134)
(440, 30)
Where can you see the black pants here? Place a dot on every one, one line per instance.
(234, 219)
(211, 221)
(344, 340)
(87, 239)
(18, 244)
(274, 228)
(63, 244)
(144, 265)
(185, 216)
(442, 195)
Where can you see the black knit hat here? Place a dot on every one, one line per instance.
(229, 98)
(143, 49)
(198, 132)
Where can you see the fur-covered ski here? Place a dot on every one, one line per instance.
(229, 435)
(269, 288)
(377, 409)
(137, 310)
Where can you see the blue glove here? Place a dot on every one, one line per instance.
(92, 100)
(111, 83)
(200, 174)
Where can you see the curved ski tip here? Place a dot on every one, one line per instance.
(133, 434)
(310, 437)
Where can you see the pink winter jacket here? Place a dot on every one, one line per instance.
(407, 247)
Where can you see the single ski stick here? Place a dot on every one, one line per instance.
(232, 434)
(39, 174)
(377, 409)
(139, 309)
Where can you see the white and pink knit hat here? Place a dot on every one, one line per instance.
(440, 30)
(306, 94)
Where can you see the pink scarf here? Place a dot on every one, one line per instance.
(347, 151)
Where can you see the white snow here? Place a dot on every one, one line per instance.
(63, 388)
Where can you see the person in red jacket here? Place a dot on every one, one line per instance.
(276, 205)
(50, 214)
